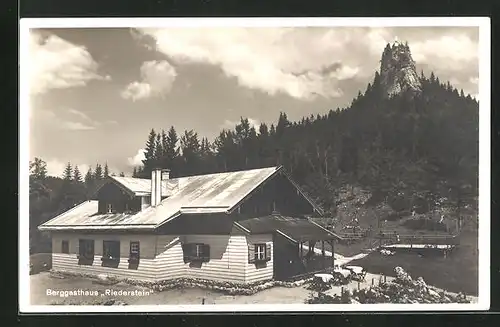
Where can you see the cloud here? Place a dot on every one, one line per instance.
(56, 167)
(274, 60)
(79, 114)
(448, 51)
(231, 124)
(76, 126)
(69, 119)
(137, 159)
(59, 64)
(305, 63)
(157, 78)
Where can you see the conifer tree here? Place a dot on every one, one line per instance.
(77, 176)
(106, 170)
(150, 152)
(98, 174)
(122, 174)
(164, 145)
(68, 172)
(134, 173)
(38, 169)
(158, 156)
(88, 177)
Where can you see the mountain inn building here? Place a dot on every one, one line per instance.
(241, 227)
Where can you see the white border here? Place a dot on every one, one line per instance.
(484, 155)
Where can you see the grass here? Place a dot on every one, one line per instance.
(40, 262)
(456, 273)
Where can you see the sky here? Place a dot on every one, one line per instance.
(95, 93)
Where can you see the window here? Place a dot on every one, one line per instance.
(86, 251)
(65, 247)
(196, 252)
(260, 252)
(134, 252)
(111, 250)
(109, 208)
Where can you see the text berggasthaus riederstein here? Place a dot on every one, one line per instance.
(107, 292)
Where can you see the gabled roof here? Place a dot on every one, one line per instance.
(293, 228)
(211, 193)
(142, 186)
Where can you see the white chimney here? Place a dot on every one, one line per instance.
(165, 174)
(155, 187)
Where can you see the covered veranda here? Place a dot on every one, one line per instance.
(301, 246)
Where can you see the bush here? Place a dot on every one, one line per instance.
(425, 224)
(403, 289)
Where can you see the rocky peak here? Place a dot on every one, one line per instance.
(397, 70)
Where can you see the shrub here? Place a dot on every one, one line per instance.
(403, 289)
(425, 224)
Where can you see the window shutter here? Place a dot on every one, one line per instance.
(268, 251)
(186, 249)
(251, 253)
(78, 246)
(206, 253)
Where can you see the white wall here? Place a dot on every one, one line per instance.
(256, 272)
(161, 257)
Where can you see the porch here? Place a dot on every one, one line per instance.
(301, 247)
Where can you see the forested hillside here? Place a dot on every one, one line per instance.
(413, 149)
(425, 143)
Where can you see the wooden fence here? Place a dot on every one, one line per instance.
(418, 239)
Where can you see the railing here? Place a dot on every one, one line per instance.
(419, 239)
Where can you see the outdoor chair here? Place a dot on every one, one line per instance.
(357, 273)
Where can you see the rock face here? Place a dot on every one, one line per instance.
(397, 70)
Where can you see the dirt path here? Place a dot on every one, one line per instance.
(39, 284)
(340, 259)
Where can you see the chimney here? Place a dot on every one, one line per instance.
(165, 174)
(156, 176)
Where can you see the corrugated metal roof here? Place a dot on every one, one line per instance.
(142, 186)
(210, 193)
(297, 229)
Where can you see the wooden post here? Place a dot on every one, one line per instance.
(373, 281)
(333, 252)
(301, 249)
(385, 278)
(359, 286)
(323, 253)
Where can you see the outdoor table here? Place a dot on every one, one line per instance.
(324, 277)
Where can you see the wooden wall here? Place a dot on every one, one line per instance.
(111, 193)
(146, 270)
(162, 257)
(282, 193)
(256, 272)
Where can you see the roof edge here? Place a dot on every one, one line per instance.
(286, 236)
(323, 228)
(112, 179)
(302, 192)
(149, 227)
(172, 217)
(62, 213)
(243, 198)
(238, 225)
